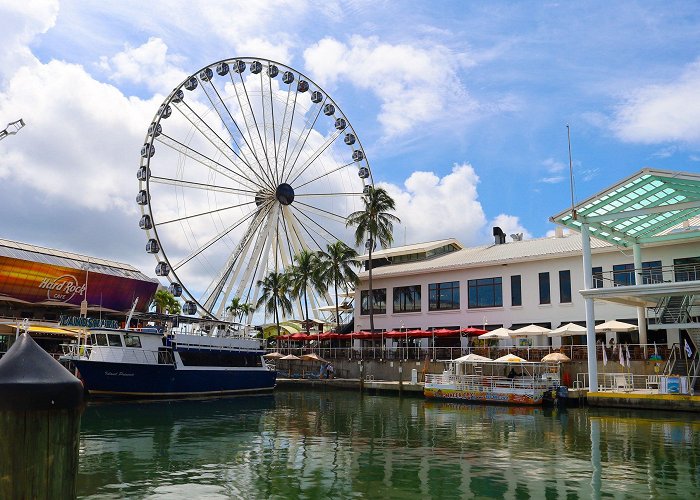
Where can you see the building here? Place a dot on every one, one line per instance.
(44, 285)
(442, 284)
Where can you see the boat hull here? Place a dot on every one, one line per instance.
(484, 397)
(147, 380)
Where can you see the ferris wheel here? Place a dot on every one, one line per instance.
(246, 163)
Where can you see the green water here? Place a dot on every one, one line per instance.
(339, 444)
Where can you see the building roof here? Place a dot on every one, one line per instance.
(413, 248)
(649, 206)
(34, 253)
(527, 250)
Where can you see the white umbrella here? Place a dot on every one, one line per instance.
(556, 356)
(615, 326)
(499, 333)
(568, 330)
(472, 358)
(530, 331)
(510, 358)
(290, 357)
(273, 355)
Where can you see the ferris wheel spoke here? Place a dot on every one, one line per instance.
(326, 231)
(251, 116)
(205, 160)
(200, 214)
(321, 212)
(316, 154)
(235, 123)
(325, 174)
(200, 185)
(303, 143)
(212, 240)
(289, 128)
(208, 133)
(214, 290)
(271, 112)
(323, 195)
(320, 235)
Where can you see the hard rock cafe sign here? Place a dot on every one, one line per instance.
(63, 288)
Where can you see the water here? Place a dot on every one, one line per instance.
(340, 444)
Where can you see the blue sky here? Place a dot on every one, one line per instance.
(461, 107)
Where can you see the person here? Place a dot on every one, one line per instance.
(330, 370)
(511, 373)
(323, 373)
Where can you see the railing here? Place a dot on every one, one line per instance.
(117, 354)
(488, 383)
(618, 382)
(638, 352)
(672, 358)
(648, 275)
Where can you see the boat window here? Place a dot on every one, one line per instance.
(114, 340)
(132, 341)
(228, 359)
(101, 339)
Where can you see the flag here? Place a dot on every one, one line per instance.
(688, 350)
(605, 357)
(627, 353)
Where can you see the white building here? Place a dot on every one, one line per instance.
(442, 284)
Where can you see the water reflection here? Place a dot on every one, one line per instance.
(341, 444)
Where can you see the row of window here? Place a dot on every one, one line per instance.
(482, 292)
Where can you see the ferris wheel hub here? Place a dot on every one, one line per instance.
(285, 194)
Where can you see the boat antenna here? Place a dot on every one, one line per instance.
(131, 313)
(571, 173)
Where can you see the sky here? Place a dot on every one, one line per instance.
(462, 107)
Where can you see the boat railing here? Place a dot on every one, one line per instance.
(117, 354)
(485, 383)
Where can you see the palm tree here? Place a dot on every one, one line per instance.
(173, 305)
(337, 267)
(303, 275)
(162, 299)
(373, 224)
(274, 295)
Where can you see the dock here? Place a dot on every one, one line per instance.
(644, 400)
(375, 386)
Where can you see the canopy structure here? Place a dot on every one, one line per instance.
(498, 333)
(472, 358)
(643, 208)
(510, 358)
(556, 357)
(530, 331)
(568, 330)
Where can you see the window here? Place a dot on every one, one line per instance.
(132, 341)
(407, 298)
(597, 277)
(564, 286)
(378, 304)
(114, 340)
(623, 274)
(443, 296)
(652, 272)
(544, 289)
(516, 297)
(485, 292)
(687, 269)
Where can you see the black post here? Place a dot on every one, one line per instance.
(40, 407)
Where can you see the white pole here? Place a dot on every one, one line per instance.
(590, 312)
(641, 311)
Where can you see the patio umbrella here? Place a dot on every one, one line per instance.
(274, 355)
(556, 356)
(510, 358)
(499, 333)
(313, 357)
(471, 331)
(615, 326)
(290, 357)
(531, 330)
(568, 330)
(472, 358)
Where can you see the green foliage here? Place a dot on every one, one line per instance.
(337, 268)
(274, 295)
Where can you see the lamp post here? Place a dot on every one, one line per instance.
(12, 128)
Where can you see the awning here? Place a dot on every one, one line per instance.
(11, 328)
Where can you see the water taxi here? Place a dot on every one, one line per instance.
(147, 363)
(509, 380)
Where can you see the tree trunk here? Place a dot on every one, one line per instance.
(371, 290)
(337, 309)
(306, 308)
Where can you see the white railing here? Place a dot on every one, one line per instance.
(619, 382)
(116, 354)
(488, 383)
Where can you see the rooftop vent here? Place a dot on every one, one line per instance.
(558, 232)
(517, 236)
(499, 235)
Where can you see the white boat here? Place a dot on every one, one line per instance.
(147, 363)
(498, 381)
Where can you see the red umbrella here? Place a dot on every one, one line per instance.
(445, 332)
(300, 336)
(394, 334)
(471, 331)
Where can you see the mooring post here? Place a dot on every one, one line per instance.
(400, 377)
(362, 376)
(40, 407)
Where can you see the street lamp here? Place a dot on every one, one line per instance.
(12, 128)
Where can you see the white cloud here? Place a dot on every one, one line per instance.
(510, 224)
(20, 22)
(668, 112)
(432, 208)
(412, 89)
(149, 64)
(552, 180)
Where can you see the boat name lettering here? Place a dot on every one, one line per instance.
(88, 322)
(119, 374)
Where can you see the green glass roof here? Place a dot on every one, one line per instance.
(649, 206)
